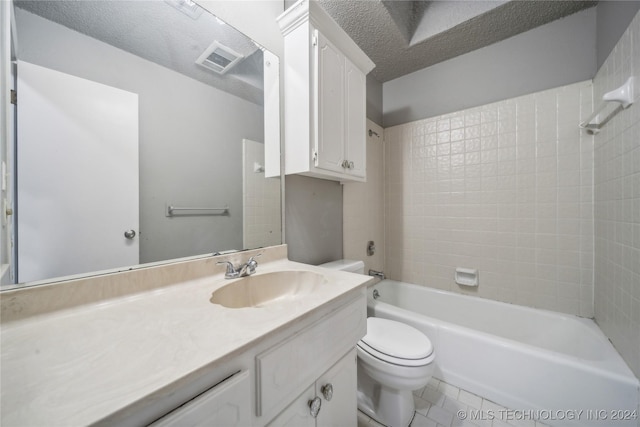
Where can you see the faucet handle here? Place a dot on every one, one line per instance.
(252, 264)
(231, 270)
(252, 259)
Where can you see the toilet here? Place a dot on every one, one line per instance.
(394, 359)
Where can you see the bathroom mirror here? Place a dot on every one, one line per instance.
(182, 170)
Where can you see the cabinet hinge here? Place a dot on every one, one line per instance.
(315, 158)
(14, 97)
(314, 40)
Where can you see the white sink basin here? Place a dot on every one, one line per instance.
(267, 289)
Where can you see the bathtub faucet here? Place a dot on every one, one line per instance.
(378, 274)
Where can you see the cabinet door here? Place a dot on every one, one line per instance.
(329, 94)
(356, 121)
(289, 367)
(298, 413)
(226, 404)
(341, 409)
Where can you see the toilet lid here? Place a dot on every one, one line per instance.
(395, 340)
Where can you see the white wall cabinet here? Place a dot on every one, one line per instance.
(324, 96)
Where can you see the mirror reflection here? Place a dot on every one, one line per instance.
(140, 137)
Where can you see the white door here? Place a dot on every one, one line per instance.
(340, 407)
(356, 123)
(77, 175)
(329, 87)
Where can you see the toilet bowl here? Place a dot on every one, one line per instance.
(394, 359)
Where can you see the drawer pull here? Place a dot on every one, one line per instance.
(314, 406)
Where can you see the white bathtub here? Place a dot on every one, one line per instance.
(549, 365)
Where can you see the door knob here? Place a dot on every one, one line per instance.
(130, 234)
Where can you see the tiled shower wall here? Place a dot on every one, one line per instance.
(506, 189)
(617, 206)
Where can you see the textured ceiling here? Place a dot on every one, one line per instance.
(401, 37)
(158, 32)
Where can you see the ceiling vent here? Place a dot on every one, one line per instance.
(219, 58)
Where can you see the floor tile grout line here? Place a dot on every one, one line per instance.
(453, 406)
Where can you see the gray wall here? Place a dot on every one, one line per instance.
(552, 55)
(314, 219)
(374, 100)
(190, 150)
(613, 18)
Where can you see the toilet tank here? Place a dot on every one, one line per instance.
(345, 265)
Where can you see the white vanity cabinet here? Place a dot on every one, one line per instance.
(325, 96)
(311, 360)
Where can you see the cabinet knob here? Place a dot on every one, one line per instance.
(346, 164)
(314, 406)
(327, 391)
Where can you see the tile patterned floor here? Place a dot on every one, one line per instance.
(442, 405)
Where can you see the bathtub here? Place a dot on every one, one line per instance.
(558, 369)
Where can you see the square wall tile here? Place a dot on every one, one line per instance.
(505, 198)
(616, 195)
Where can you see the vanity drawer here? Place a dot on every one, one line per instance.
(288, 368)
(228, 403)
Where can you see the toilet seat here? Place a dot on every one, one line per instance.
(396, 343)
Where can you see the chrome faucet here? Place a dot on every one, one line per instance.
(243, 270)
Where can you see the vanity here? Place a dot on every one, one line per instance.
(164, 354)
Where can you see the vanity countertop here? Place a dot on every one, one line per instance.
(79, 365)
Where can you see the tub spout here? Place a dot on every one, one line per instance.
(378, 274)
